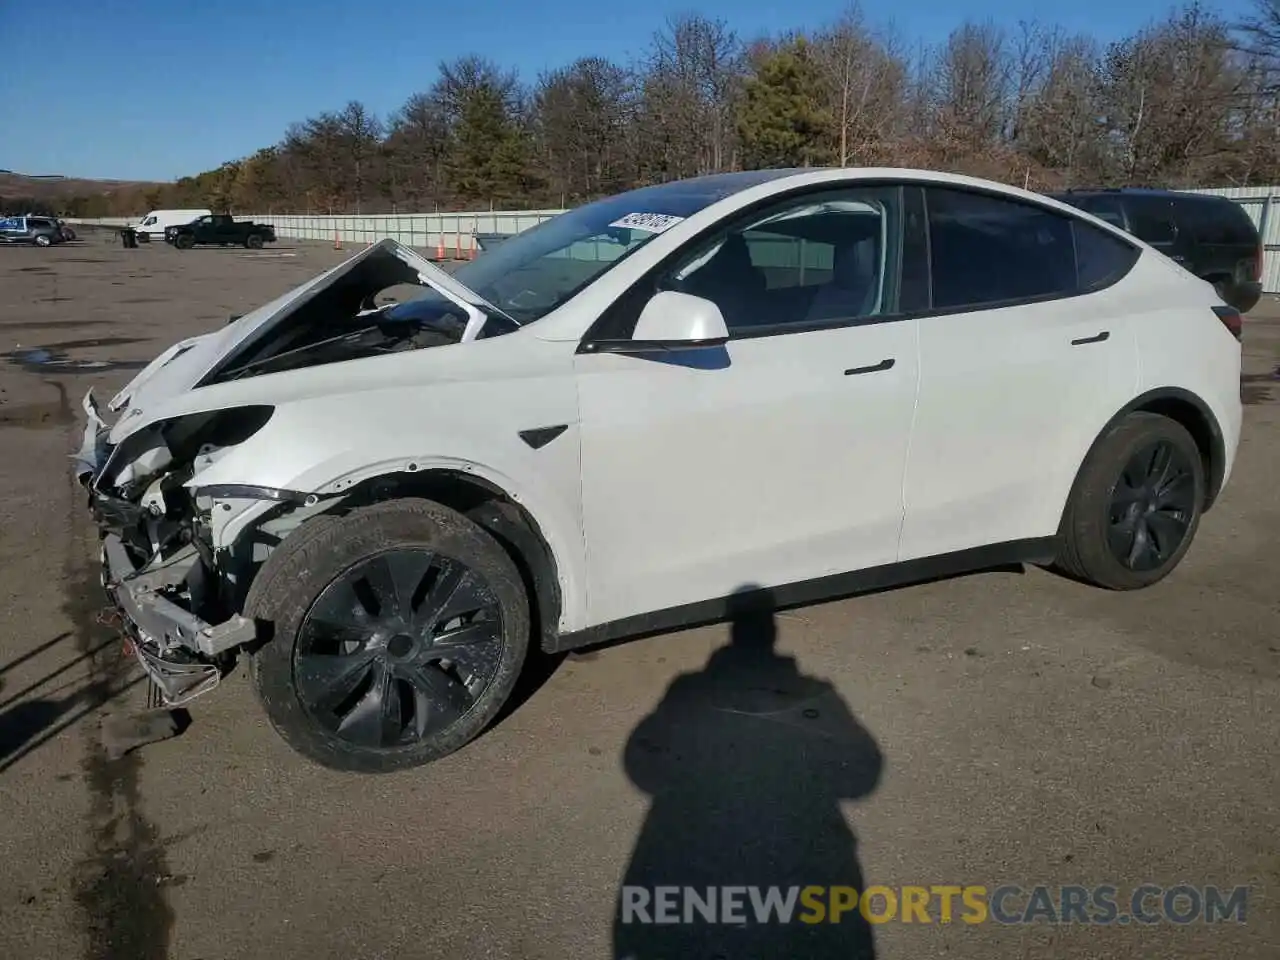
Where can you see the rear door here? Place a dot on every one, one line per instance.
(1023, 356)
(226, 230)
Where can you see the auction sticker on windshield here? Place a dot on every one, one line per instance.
(649, 222)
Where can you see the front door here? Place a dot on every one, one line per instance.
(778, 457)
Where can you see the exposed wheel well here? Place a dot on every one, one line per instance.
(494, 510)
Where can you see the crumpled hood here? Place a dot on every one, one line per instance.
(186, 364)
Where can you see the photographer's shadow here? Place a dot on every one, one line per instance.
(746, 762)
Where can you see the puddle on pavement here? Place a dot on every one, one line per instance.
(146, 300)
(53, 357)
(34, 270)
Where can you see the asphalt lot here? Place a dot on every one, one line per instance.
(1006, 727)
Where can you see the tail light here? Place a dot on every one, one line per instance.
(1231, 319)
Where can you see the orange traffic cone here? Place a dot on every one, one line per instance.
(337, 244)
(440, 249)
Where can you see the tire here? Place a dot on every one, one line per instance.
(42, 240)
(253, 241)
(184, 241)
(1110, 510)
(321, 693)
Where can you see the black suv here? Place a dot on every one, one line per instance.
(1211, 236)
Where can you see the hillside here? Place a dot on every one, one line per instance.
(20, 192)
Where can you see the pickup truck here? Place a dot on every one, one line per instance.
(220, 229)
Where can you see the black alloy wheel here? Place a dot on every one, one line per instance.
(398, 648)
(1151, 507)
(1135, 507)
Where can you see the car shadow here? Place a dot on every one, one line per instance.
(747, 762)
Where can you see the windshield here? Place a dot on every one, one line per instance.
(534, 272)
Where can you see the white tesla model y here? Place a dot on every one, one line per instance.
(815, 381)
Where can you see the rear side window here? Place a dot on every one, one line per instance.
(987, 250)
(1101, 258)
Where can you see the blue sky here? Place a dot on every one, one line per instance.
(157, 89)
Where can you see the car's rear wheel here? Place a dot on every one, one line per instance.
(253, 241)
(399, 630)
(1136, 504)
(43, 240)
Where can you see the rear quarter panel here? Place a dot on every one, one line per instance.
(1182, 344)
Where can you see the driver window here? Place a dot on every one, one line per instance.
(824, 258)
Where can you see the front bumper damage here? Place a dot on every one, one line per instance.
(178, 650)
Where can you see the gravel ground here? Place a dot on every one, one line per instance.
(1006, 727)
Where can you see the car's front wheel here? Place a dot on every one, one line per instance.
(43, 240)
(399, 630)
(253, 241)
(184, 241)
(1136, 504)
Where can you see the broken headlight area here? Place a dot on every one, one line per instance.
(160, 563)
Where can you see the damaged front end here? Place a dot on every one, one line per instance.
(176, 591)
(178, 553)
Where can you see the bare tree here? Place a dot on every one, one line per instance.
(1170, 95)
(970, 90)
(864, 86)
(688, 91)
(1260, 41)
(1059, 129)
(416, 147)
(582, 113)
(359, 136)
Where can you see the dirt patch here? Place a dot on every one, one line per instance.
(37, 415)
(1258, 388)
(50, 324)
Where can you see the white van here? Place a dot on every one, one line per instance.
(151, 227)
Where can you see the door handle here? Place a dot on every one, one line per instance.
(882, 365)
(1098, 339)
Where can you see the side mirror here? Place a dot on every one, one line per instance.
(673, 321)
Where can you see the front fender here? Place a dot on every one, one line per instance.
(305, 452)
